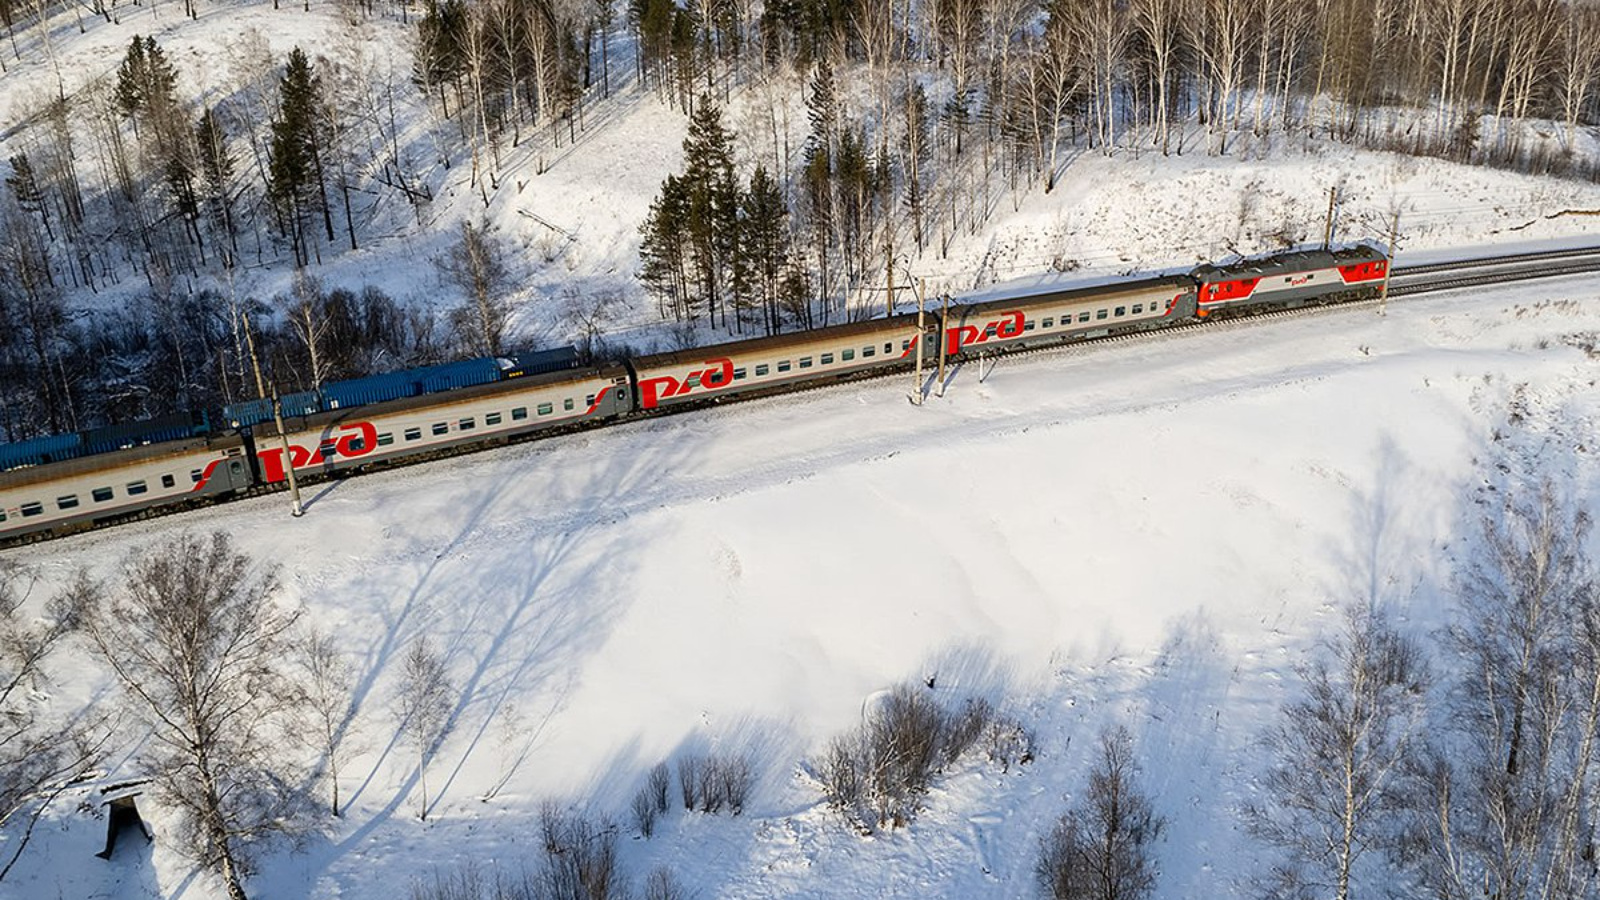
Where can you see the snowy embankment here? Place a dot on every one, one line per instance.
(1150, 532)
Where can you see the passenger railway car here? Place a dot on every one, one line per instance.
(353, 437)
(56, 495)
(767, 364)
(60, 482)
(1062, 316)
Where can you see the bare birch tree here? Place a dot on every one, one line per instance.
(328, 709)
(424, 701)
(1578, 64)
(476, 265)
(1338, 754)
(1103, 37)
(192, 630)
(1499, 809)
(40, 747)
(305, 314)
(1156, 22)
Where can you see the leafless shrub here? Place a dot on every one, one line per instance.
(1008, 743)
(964, 728)
(1100, 850)
(476, 880)
(710, 789)
(580, 857)
(714, 782)
(735, 778)
(689, 780)
(905, 735)
(840, 772)
(661, 884)
(645, 812)
(877, 774)
(551, 820)
(464, 882)
(660, 781)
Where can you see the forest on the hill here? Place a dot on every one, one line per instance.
(919, 121)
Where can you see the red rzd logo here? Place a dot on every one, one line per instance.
(718, 374)
(1008, 326)
(356, 439)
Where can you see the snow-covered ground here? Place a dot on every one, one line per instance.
(1149, 532)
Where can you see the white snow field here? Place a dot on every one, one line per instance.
(1150, 532)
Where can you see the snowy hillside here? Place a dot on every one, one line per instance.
(1150, 532)
(573, 210)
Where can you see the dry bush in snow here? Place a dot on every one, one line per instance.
(661, 884)
(711, 783)
(580, 857)
(645, 812)
(1101, 848)
(878, 774)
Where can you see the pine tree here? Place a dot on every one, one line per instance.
(147, 84)
(216, 173)
(764, 246)
(685, 53)
(297, 186)
(24, 184)
(168, 125)
(160, 91)
(914, 156)
(713, 202)
(817, 175)
(822, 108)
(853, 177)
(663, 251)
(441, 37)
(132, 77)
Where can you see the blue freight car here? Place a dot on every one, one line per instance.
(254, 412)
(60, 447)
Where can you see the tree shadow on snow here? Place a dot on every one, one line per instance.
(527, 601)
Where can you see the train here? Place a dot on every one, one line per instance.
(63, 483)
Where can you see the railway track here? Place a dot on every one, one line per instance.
(1459, 265)
(1493, 270)
(1405, 281)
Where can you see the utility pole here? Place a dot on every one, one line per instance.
(944, 329)
(918, 348)
(288, 459)
(1327, 232)
(1388, 265)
